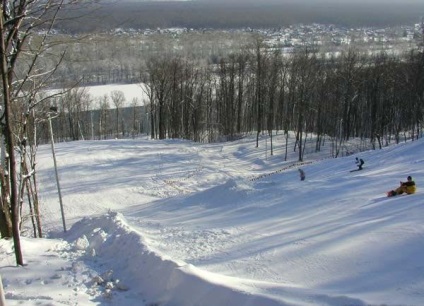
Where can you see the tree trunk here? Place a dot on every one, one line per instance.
(10, 147)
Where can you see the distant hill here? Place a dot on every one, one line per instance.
(237, 14)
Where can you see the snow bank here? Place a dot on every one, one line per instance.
(160, 280)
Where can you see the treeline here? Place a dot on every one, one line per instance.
(224, 15)
(377, 98)
(105, 58)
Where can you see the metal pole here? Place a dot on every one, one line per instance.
(92, 125)
(57, 175)
(2, 298)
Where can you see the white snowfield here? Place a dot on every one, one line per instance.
(175, 223)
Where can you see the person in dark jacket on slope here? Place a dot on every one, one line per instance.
(360, 163)
(302, 174)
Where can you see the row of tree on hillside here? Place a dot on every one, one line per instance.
(122, 57)
(378, 98)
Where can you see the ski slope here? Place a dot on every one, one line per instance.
(178, 223)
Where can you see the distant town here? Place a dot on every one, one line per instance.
(119, 55)
(321, 36)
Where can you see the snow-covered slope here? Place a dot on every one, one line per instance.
(177, 223)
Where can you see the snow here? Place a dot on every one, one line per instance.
(178, 223)
(130, 91)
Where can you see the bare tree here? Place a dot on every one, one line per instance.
(103, 104)
(158, 88)
(302, 86)
(19, 86)
(147, 87)
(23, 78)
(135, 129)
(118, 99)
(73, 103)
(259, 68)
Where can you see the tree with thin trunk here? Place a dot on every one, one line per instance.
(22, 79)
(135, 129)
(118, 99)
(158, 85)
(259, 86)
(103, 104)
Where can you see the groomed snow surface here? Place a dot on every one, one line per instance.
(176, 223)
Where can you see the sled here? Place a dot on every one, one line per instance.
(391, 193)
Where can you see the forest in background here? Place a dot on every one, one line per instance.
(221, 85)
(377, 98)
(215, 85)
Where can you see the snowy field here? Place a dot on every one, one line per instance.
(131, 92)
(175, 223)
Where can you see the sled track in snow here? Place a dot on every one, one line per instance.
(297, 164)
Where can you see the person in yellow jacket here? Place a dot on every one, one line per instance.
(407, 187)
